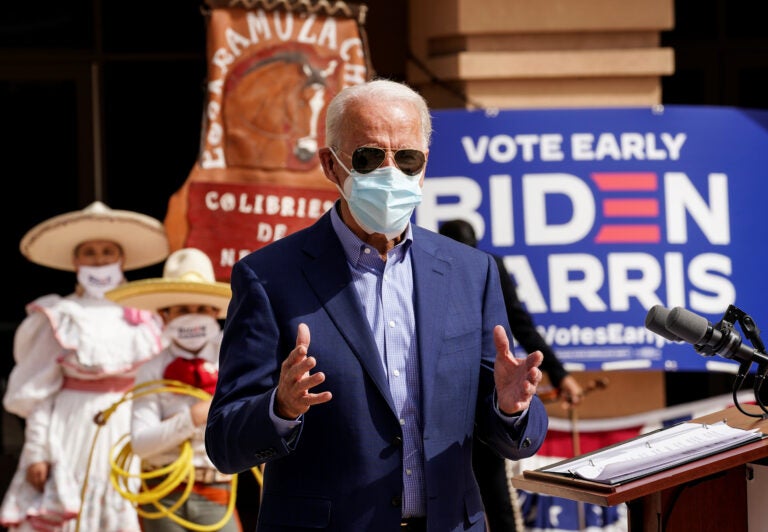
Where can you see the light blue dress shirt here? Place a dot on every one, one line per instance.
(385, 289)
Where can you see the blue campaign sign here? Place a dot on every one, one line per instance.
(600, 214)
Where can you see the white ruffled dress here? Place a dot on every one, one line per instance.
(75, 357)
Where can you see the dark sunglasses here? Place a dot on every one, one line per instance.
(368, 158)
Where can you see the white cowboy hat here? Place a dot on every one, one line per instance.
(52, 243)
(188, 279)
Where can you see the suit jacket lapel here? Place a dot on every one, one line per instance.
(431, 276)
(328, 274)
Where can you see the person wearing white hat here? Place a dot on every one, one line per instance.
(75, 356)
(190, 302)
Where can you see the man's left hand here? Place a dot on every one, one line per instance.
(516, 378)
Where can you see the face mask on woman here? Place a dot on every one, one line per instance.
(97, 280)
(192, 331)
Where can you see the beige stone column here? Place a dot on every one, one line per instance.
(547, 54)
(540, 53)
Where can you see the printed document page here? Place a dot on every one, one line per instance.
(654, 452)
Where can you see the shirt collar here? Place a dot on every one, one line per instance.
(354, 247)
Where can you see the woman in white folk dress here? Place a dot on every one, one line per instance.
(75, 356)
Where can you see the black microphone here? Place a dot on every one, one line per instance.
(708, 339)
(656, 321)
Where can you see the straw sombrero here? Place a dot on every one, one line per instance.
(188, 279)
(52, 242)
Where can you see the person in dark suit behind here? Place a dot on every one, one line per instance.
(489, 466)
(368, 424)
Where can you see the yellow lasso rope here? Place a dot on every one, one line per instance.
(179, 471)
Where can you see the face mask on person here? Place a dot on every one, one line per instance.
(192, 331)
(97, 280)
(382, 200)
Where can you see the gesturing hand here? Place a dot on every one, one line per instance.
(516, 379)
(293, 397)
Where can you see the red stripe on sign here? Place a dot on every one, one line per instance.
(610, 234)
(630, 207)
(626, 181)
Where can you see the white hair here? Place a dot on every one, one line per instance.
(378, 89)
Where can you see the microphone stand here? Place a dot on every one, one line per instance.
(752, 333)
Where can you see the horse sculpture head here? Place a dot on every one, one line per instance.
(274, 107)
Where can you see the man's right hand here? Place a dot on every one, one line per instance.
(293, 397)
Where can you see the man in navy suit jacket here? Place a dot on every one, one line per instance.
(362, 354)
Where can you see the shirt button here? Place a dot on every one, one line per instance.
(396, 373)
(367, 251)
(408, 472)
(402, 422)
(391, 323)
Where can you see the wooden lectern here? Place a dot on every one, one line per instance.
(706, 494)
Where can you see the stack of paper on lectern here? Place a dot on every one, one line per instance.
(654, 452)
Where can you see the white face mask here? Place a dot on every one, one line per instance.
(381, 201)
(97, 280)
(192, 331)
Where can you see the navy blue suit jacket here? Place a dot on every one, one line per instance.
(342, 469)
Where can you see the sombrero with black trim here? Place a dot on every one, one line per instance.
(188, 279)
(52, 243)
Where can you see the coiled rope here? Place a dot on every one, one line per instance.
(181, 470)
